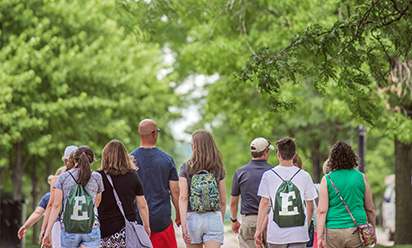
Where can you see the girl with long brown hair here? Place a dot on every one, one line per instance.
(92, 182)
(202, 228)
(117, 163)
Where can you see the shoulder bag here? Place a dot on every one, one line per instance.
(366, 231)
(136, 236)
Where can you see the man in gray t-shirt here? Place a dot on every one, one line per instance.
(245, 184)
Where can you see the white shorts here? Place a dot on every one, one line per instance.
(56, 234)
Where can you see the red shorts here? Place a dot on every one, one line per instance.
(164, 239)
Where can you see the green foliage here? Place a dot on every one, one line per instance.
(72, 74)
(346, 53)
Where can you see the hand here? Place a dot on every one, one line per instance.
(235, 226)
(321, 243)
(41, 236)
(147, 229)
(177, 221)
(47, 240)
(258, 239)
(22, 232)
(185, 235)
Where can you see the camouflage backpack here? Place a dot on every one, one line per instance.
(288, 207)
(204, 195)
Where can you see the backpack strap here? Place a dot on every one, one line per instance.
(294, 175)
(277, 175)
(73, 177)
(290, 178)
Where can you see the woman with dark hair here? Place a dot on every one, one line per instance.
(117, 163)
(92, 182)
(204, 227)
(354, 188)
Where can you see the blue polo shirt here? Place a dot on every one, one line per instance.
(44, 200)
(246, 183)
(156, 169)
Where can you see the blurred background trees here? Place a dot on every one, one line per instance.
(88, 72)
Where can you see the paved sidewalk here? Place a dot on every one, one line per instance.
(383, 237)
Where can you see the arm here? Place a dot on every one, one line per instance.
(323, 208)
(368, 203)
(175, 192)
(183, 201)
(34, 217)
(221, 188)
(144, 212)
(55, 209)
(98, 200)
(263, 209)
(48, 210)
(234, 205)
(309, 211)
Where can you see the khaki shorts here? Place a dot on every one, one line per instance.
(247, 232)
(342, 238)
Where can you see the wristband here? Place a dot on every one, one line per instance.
(233, 220)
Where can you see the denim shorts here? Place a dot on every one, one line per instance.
(92, 239)
(203, 227)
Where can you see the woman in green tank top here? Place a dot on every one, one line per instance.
(354, 188)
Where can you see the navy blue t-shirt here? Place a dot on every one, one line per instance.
(44, 200)
(246, 183)
(156, 169)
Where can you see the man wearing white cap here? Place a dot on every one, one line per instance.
(245, 184)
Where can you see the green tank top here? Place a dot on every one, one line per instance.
(351, 186)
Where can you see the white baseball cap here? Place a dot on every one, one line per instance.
(260, 144)
(68, 151)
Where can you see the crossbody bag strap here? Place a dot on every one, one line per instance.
(342, 200)
(116, 196)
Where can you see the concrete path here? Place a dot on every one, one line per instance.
(383, 237)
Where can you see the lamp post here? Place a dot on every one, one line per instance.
(361, 147)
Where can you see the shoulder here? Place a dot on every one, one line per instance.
(46, 196)
(131, 175)
(96, 174)
(304, 173)
(63, 176)
(135, 151)
(268, 172)
(183, 170)
(163, 154)
(183, 166)
(243, 168)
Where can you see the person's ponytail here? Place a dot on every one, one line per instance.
(84, 157)
(70, 162)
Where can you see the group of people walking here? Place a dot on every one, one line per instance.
(276, 203)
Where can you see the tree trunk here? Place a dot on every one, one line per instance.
(403, 192)
(16, 167)
(316, 169)
(17, 171)
(34, 196)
